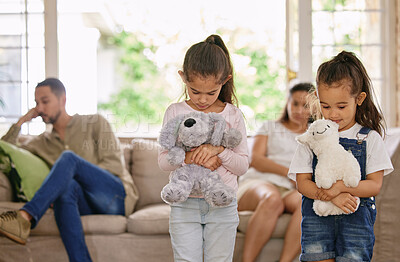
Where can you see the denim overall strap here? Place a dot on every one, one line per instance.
(358, 148)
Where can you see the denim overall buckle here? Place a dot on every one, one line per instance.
(361, 138)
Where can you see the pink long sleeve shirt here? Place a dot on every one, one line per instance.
(235, 162)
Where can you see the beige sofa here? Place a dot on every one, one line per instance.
(143, 236)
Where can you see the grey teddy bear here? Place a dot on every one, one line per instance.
(180, 135)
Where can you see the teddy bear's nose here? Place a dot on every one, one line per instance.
(189, 122)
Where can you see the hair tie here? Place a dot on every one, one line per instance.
(210, 40)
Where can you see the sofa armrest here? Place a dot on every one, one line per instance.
(5, 188)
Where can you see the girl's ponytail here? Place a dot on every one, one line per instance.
(217, 40)
(211, 58)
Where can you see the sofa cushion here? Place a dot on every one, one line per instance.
(280, 229)
(127, 151)
(92, 224)
(5, 188)
(150, 220)
(148, 177)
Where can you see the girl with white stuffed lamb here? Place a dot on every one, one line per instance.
(197, 229)
(344, 93)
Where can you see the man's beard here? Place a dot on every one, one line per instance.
(52, 120)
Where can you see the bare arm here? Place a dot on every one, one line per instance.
(211, 163)
(204, 152)
(12, 135)
(32, 113)
(306, 186)
(262, 163)
(366, 188)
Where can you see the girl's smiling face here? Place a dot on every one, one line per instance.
(337, 103)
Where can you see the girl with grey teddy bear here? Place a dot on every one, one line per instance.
(197, 228)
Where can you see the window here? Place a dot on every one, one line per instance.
(153, 44)
(365, 27)
(88, 57)
(21, 56)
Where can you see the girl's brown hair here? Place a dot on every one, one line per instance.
(211, 58)
(346, 66)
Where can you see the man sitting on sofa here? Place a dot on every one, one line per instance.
(88, 175)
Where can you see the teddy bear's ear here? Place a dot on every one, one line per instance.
(219, 128)
(335, 125)
(169, 132)
(303, 139)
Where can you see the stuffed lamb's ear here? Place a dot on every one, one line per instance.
(169, 132)
(219, 128)
(335, 125)
(303, 139)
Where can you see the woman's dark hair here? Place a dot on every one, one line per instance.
(346, 66)
(306, 87)
(211, 58)
(56, 86)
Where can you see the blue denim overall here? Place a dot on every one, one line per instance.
(343, 237)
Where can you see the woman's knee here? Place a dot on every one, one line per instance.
(293, 202)
(271, 203)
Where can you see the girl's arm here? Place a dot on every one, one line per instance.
(162, 153)
(346, 202)
(236, 160)
(233, 160)
(203, 153)
(306, 186)
(262, 163)
(211, 163)
(366, 188)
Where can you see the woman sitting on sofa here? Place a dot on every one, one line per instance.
(265, 188)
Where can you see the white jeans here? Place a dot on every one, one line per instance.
(197, 229)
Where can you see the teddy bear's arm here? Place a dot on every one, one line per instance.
(163, 162)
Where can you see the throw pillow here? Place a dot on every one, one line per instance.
(30, 168)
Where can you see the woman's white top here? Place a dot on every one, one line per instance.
(377, 155)
(281, 147)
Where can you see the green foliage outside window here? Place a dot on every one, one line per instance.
(260, 92)
(142, 96)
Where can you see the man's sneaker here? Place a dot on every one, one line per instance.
(14, 226)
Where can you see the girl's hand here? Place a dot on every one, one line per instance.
(188, 158)
(329, 194)
(204, 152)
(345, 202)
(213, 163)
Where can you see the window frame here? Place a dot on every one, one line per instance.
(388, 51)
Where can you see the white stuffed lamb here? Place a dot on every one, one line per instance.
(334, 162)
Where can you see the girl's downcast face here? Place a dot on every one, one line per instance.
(203, 92)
